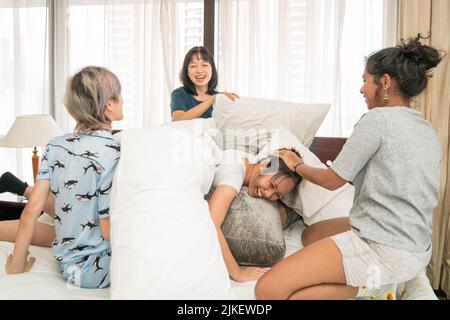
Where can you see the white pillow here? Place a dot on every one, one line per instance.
(164, 243)
(313, 202)
(248, 122)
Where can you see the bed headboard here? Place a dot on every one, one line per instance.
(327, 148)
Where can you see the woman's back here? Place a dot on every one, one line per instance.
(80, 168)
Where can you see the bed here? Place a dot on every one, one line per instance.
(44, 281)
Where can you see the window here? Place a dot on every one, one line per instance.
(143, 42)
(301, 50)
(125, 36)
(24, 73)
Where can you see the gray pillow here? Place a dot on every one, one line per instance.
(253, 231)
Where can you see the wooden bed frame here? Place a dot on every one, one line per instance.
(327, 148)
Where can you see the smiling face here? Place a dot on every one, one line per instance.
(199, 71)
(270, 186)
(371, 91)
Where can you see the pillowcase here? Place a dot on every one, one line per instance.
(164, 243)
(253, 231)
(311, 200)
(248, 122)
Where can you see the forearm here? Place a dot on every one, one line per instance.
(231, 263)
(195, 112)
(24, 236)
(326, 178)
(105, 228)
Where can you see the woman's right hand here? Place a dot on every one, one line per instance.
(231, 95)
(249, 274)
(14, 267)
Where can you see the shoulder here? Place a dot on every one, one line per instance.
(60, 141)
(234, 157)
(374, 118)
(376, 114)
(102, 147)
(181, 91)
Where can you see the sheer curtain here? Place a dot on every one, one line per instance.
(303, 50)
(23, 70)
(142, 41)
(432, 16)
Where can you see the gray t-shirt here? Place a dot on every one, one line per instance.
(393, 158)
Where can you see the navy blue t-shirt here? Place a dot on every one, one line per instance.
(183, 100)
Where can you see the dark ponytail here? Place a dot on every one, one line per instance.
(409, 64)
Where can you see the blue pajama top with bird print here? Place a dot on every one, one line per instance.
(80, 167)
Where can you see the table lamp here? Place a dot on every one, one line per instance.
(31, 131)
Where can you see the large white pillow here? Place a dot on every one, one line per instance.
(248, 122)
(313, 202)
(164, 243)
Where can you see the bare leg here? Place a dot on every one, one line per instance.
(43, 236)
(325, 292)
(318, 264)
(324, 229)
(49, 206)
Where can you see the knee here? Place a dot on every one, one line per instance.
(262, 289)
(266, 289)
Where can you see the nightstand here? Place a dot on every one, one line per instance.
(11, 206)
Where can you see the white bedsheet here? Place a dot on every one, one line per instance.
(45, 282)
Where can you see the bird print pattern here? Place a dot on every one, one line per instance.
(80, 168)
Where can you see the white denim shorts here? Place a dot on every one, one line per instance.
(367, 263)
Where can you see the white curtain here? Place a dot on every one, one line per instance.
(304, 50)
(142, 41)
(23, 73)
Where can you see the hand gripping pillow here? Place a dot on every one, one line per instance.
(312, 202)
(253, 231)
(164, 243)
(248, 122)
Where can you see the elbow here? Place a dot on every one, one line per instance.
(331, 187)
(27, 215)
(331, 181)
(179, 116)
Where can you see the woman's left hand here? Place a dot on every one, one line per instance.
(18, 267)
(290, 158)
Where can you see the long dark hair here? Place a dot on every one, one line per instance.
(409, 64)
(206, 55)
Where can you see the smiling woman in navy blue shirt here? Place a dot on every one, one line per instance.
(197, 95)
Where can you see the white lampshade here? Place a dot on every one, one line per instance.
(31, 131)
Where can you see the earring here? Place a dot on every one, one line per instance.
(386, 95)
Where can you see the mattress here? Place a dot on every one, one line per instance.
(44, 281)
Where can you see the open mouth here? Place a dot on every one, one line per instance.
(259, 192)
(200, 78)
